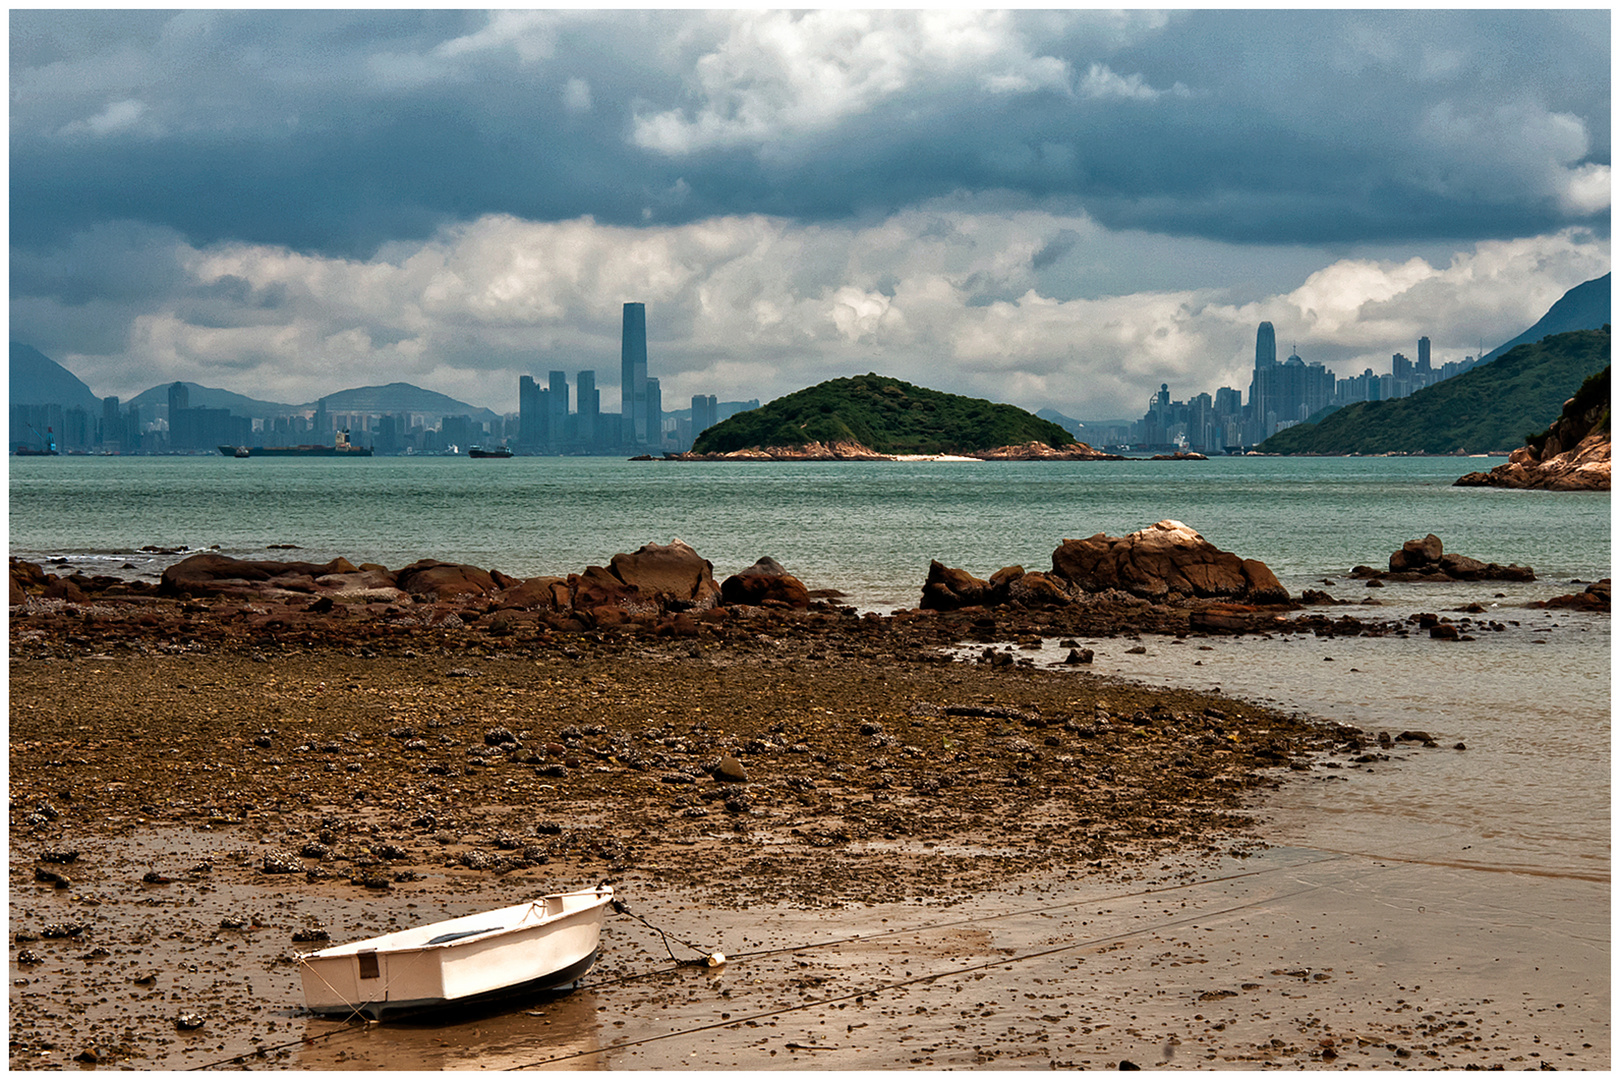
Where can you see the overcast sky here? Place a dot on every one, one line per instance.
(1045, 208)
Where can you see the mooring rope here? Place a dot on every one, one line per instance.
(621, 908)
(1005, 961)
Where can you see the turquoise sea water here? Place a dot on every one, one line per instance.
(869, 529)
(1531, 794)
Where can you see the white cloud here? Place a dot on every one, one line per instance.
(780, 74)
(1102, 82)
(576, 96)
(119, 116)
(530, 34)
(944, 295)
(1587, 189)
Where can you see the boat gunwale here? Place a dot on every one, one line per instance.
(600, 896)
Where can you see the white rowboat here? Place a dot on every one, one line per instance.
(541, 944)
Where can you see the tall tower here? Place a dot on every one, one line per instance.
(1265, 346)
(1423, 355)
(557, 410)
(655, 413)
(1260, 390)
(529, 419)
(633, 374)
(590, 404)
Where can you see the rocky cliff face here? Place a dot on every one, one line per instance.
(1573, 456)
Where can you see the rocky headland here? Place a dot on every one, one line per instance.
(1571, 455)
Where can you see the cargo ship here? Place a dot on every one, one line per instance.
(489, 451)
(341, 447)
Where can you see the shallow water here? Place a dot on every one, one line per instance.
(868, 529)
(1531, 703)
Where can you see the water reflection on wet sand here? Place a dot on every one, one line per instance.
(1291, 957)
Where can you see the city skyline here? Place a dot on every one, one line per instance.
(1061, 209)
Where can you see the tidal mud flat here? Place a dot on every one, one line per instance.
(192, 804)
(252, 759)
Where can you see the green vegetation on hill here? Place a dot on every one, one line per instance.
(1487, 409)
(884, 415)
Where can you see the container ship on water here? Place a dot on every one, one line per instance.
(341, 447)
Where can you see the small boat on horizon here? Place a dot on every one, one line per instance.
(548, 943)
(489, 451)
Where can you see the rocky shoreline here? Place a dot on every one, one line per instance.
(295, 736)
(1571, 455)
(854, 451)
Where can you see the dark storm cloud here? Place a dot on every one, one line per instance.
(337, 132)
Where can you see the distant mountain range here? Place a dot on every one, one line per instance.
(1585, 307)
(36, 379)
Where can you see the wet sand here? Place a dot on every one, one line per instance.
(1285, 958)
(930, 865)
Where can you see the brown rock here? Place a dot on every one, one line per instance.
(536, 593)
(436, 580)
(947, 588)
(597, 587)
(1167, 557)
(1461, 566)
(765, 580)
(209, 573)
(668, 573)
(1595, 598)
(1416, 554)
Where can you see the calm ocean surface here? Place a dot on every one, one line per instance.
(1531, 794)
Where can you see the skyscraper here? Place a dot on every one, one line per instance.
(557, 408)
(655, 413)
(1265, 346)
(590, 406)
(529, 419)
(633, 375)
(1261, 405)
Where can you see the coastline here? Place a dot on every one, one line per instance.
(1052, 784)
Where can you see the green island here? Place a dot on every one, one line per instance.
(1492, 408)
(886, 416)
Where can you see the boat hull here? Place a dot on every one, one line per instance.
(545, 944)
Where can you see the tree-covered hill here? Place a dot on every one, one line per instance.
(1491, 408)
(886, 416)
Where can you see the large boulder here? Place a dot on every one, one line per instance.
(536, 593)
(765, 581)
(210, 573)
(1164, 558)
(947, 588)
(1416, 554)
(672, 575)
(1595, 598)
(434, 580)
(1428, 560)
